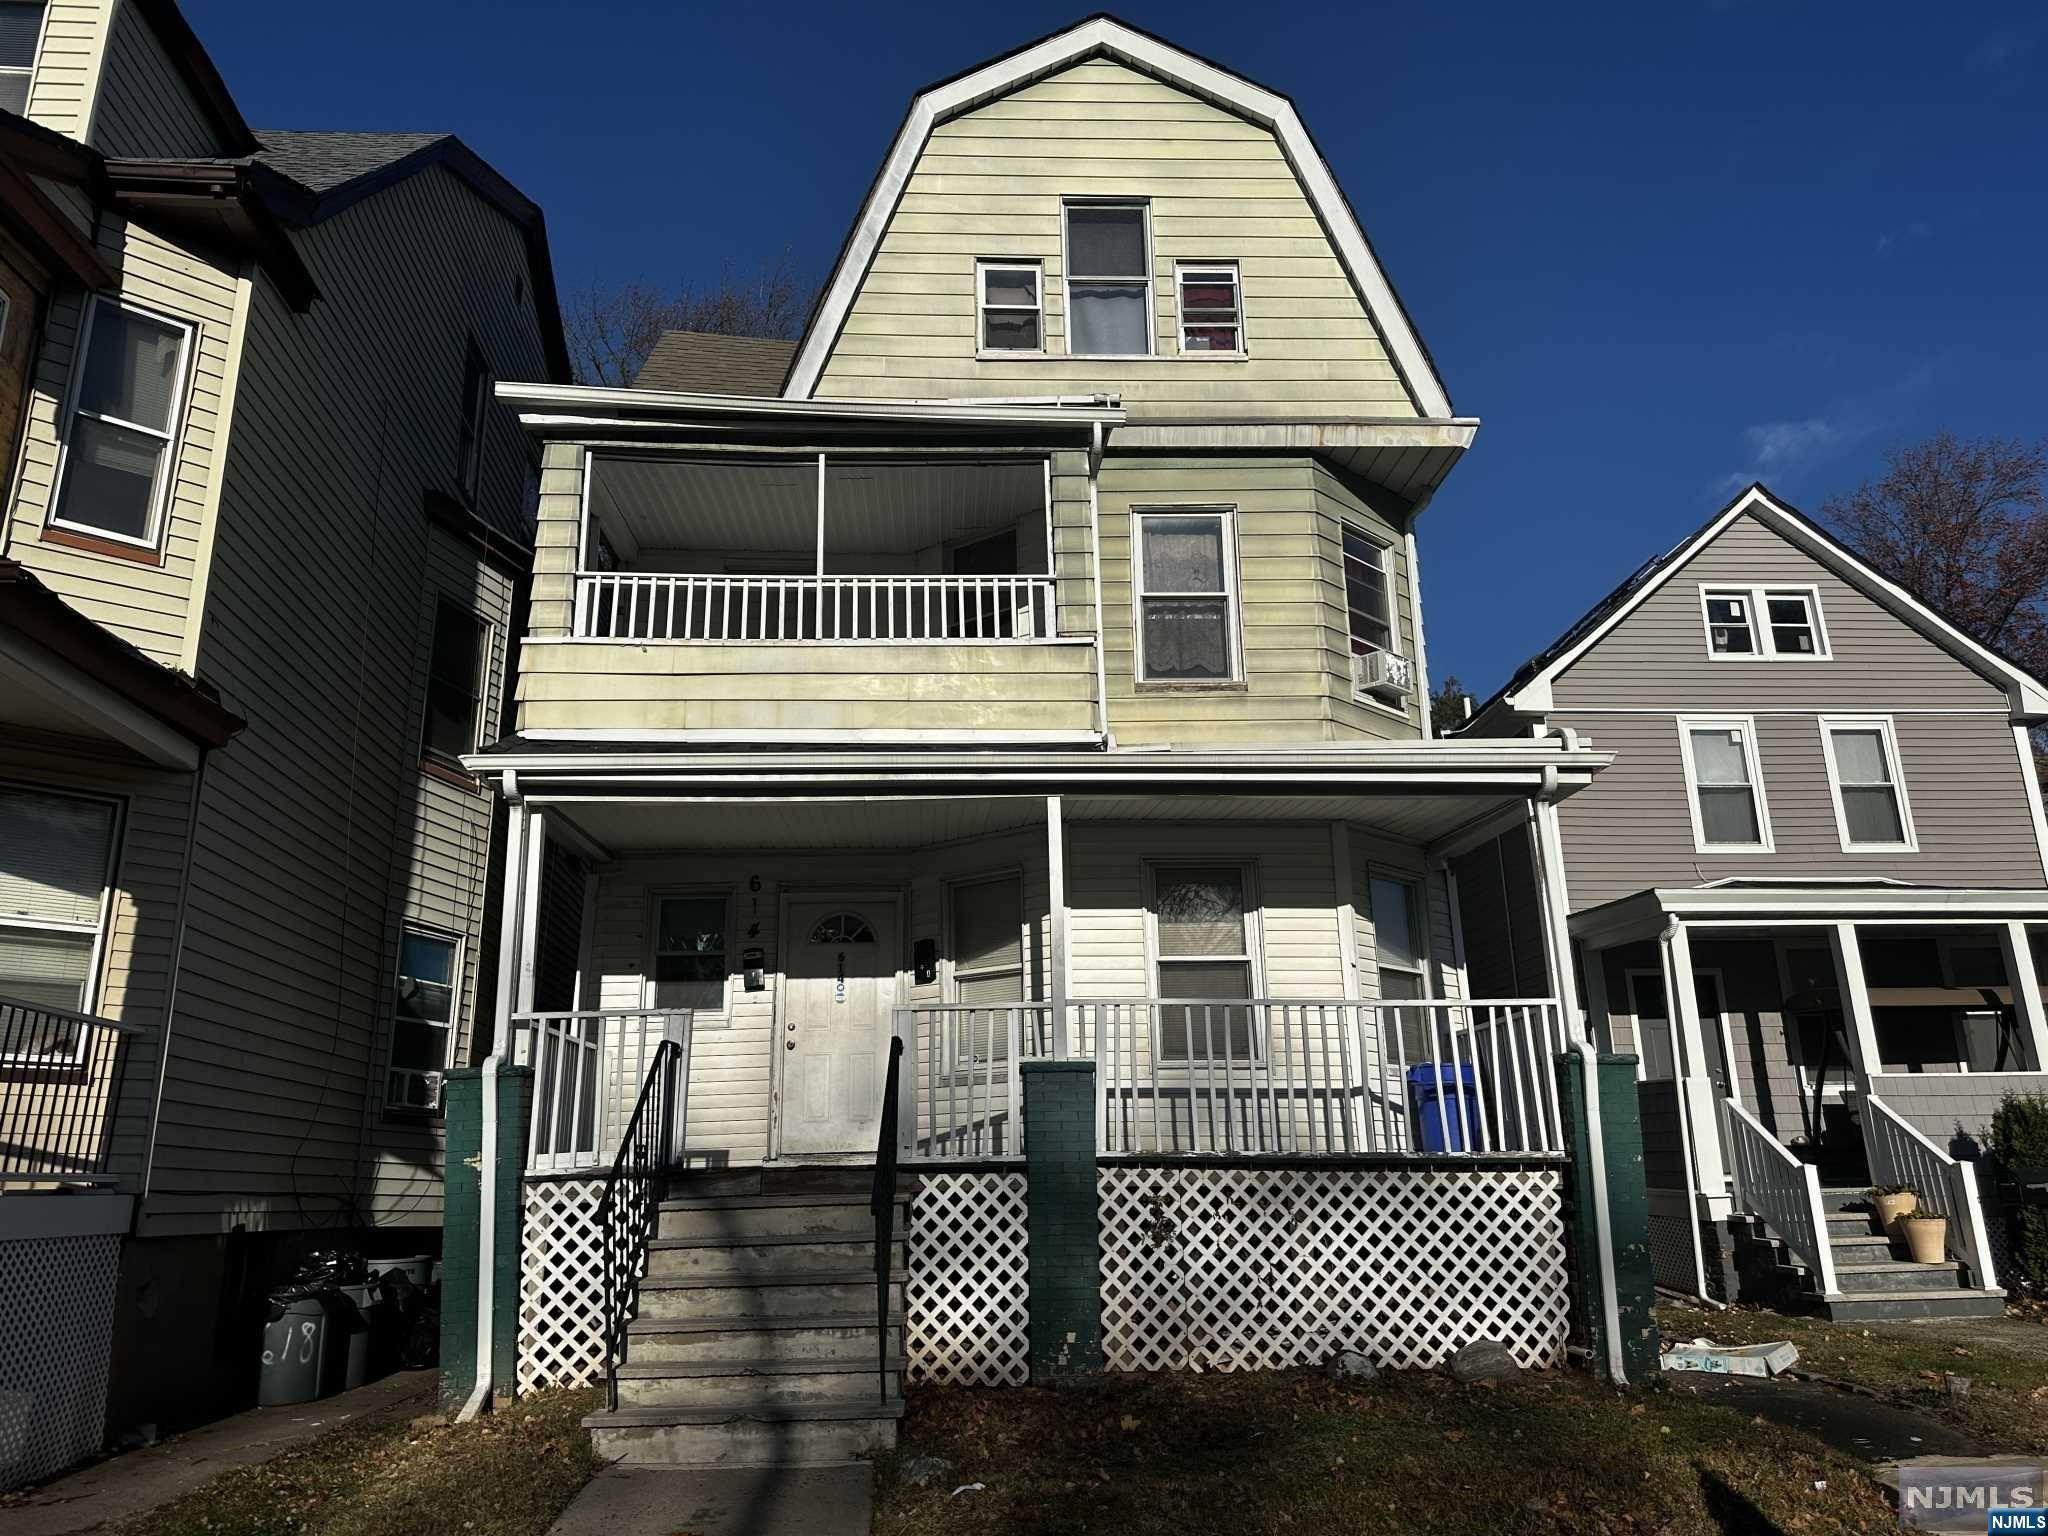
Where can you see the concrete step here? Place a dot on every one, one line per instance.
(845, 1292)
(1846, 1197)
(747, 1435)
(787, 1254)
(740, 1382)
(1890, 1276)
(1852, 1223)
(744, 1216)
(1902, 1306)
(1863, 1248)
(691, 1340)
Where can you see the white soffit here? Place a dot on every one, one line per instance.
(1101, 36)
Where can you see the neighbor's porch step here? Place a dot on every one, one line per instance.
(741, 1382)
(747, 1435)
(786, 1254)
(810, 1294)
(688, 1340)
(1890, 1276)
(746, 1216)
(1899, 1306)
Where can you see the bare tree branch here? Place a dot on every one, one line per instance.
(612, 327)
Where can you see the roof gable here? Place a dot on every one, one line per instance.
(1103, 37)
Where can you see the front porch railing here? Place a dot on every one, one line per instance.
(633, 605)
(61, 1077)
(587, 1069)
(960, 1095)
(1770, 1182)
(1900, 1153)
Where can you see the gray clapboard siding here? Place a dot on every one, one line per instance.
(318, 830)
(989, 183)
(68, 64)
(145, 110)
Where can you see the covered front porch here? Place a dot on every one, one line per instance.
(1799, 1041)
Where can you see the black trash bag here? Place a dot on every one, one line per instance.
(333, 1266)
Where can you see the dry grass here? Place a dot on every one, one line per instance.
(1292, 1453)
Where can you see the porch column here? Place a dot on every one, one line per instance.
(1702, 1113)
(2026, 993)
(1862, 1025)
(1546, 848)
(529, 906)
(1056, 922)
(511, 925)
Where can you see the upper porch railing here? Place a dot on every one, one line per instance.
(921, 610)
(588, 1068)
(61, 1079)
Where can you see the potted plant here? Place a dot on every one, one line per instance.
(1926, 1235)
(1893, 1201)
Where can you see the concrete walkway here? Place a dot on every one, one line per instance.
(127, 1485)
(735, 1501)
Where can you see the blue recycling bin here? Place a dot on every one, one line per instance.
(1432, 1103)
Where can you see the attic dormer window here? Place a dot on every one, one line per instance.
(1109, 280)
(21, 27)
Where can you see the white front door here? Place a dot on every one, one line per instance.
(839, 955)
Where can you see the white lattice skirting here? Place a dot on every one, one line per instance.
(1256, 1269)
(967, 1299)
(561, 1285)
(56, 1323)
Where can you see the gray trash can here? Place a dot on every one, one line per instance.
(356, 1367)
(305, 1347)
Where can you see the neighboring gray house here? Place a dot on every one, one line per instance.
(1822, 835)
(264, 546)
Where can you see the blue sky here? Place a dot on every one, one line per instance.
(1659, 250)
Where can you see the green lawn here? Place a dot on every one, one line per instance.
(1293, 1453)
(503, 1474)
(2007, 1405)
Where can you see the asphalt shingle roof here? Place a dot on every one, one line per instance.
(320, 161)
(699, 363)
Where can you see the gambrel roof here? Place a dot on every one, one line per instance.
(1103, 36)
(1528, 692)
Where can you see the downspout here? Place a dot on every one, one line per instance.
(1692, 1166)
(1421, 652)
(1095, 554)
(1603, 1229)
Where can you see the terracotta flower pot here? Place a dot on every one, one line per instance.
(1926, 1238)
(1891, 1207)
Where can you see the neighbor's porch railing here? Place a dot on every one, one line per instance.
(588, 1068)
(629, 605)
(60, 1094)
(1900, 1153)
(1770, 1182)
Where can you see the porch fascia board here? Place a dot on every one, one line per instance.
(1644, 914)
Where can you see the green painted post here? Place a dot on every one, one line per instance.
(1628, 1213)
(1065, 1244)
(461, 1224)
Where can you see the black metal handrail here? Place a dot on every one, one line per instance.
(883, 1204)
(632, 1197)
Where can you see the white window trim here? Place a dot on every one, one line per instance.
(1180, 319)
(982, 268)
(90, 999)
(1687, 724)
(458, 985)
(1067, 277)
(1386, 548)
(1888, 735)
(1255, 950)
(950, 970)
(1233, 638)
(1419, 916)
(172, 436)
(1760, 623)
(725, 893)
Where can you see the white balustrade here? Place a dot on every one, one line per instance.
(636, 605)
(1770, 1182)
(588, 1068)
(1900, 1153)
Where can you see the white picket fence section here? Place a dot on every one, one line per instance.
(1901, 1154)
(1773, 1184)
(921, 610)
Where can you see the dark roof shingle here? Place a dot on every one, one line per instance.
(700, 363)
(320, 161)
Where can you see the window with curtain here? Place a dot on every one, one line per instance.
(422, 1019)
(1367, 594)
(1201, 916)
(455, 673)
(1109, 280)
(56, 858)
(689, 952)
(987, 947)
(116, 468)
(1186, 624)
(21, 26)
(1869, 800)
(1721, 764)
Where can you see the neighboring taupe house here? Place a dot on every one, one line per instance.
(1823, 836)
(1038, 671)
(265, 531)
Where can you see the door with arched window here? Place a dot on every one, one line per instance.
(840, 956)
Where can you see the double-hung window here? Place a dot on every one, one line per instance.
(476, 400)
(1871, 813)
(1211, 307)
(56, 864)
(1186, 597)
(422, 1018)
(1764, 623)
(690, 952)
(125, 398)
(455, 683)
(1203, 941)
(1397, 951)
(21, 25)
(1109, 280)
(1725, 782)
(1368, 596)
(1010, 300)
(988, 961)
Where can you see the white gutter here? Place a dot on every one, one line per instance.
(1095, 583)
(663, 404)
(1603, 1227)
(486, 1241)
